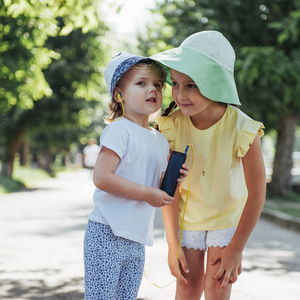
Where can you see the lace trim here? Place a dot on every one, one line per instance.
(202, 240)
(193, 239)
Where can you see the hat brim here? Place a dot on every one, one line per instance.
(213, 80)
(122, 68)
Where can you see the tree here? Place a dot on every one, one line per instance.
(56, 122)
(265, 37)
(274, 72)
(22, 59)
(25, 29)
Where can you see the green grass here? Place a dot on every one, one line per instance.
(9, 185)
(30, 175)
(26, 177)
(291, 211)
(289, 205)
(23, 177)
(294, 212)
(291, 197)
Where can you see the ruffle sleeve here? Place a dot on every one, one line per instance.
(247, 135)
(167, 128)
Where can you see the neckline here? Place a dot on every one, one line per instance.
(212, 127)
(149, 129)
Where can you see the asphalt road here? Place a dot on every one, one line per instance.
(41, 236)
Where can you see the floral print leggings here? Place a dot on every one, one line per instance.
(113, 265)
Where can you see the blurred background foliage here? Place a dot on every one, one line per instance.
(265, 36)
(52, 62)
(53, 54)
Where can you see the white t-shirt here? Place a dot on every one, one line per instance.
(143, 155)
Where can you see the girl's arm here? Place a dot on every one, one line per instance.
(106, 180)
(231, 256)
(170, 216)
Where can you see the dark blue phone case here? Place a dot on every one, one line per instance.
(169, 183)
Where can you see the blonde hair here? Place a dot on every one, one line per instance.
(116, 107)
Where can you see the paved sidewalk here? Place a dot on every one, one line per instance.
(41, 235)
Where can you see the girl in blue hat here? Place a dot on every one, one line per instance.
(127, 175)
(228, 182)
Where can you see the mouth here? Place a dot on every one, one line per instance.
(184, 104)
(153, 100)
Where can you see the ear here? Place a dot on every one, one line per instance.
(116, 92)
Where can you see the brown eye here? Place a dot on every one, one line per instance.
(192, 86)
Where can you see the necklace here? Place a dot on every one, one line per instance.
(205, 156)
(202, 159)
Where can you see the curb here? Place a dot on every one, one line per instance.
(281, 219)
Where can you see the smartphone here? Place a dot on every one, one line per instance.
(169, 183)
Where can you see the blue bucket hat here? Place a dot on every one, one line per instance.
(118, 65)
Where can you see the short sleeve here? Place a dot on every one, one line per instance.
(247, 136)
(167, 128)
(115, 138)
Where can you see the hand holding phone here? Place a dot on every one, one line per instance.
(169, 183)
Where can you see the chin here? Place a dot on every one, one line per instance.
(187, 110)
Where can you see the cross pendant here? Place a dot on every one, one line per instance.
(203, 172)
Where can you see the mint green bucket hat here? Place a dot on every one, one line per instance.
(208, 58)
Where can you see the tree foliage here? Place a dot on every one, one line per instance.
(265, 36)
(50, 56)
(57, 121)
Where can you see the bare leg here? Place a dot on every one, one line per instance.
(194, 288)
(212, 290)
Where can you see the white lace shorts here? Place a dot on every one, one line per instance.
(202, 240)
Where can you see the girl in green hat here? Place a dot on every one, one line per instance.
(228, 182)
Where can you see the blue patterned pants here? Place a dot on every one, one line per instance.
(113, 265)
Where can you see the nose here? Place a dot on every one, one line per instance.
(153, 88)
(181, 94)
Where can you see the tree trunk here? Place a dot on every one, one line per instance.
(12, 146)
(24, 152)
(281, 183)
(46, 160)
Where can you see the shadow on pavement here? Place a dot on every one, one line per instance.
(34, 289)
(273, 257)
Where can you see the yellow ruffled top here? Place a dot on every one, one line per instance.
(218, 189)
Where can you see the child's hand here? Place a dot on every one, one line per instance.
(184, 173)
(174, 264)
(158, 198)
(230, 265)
